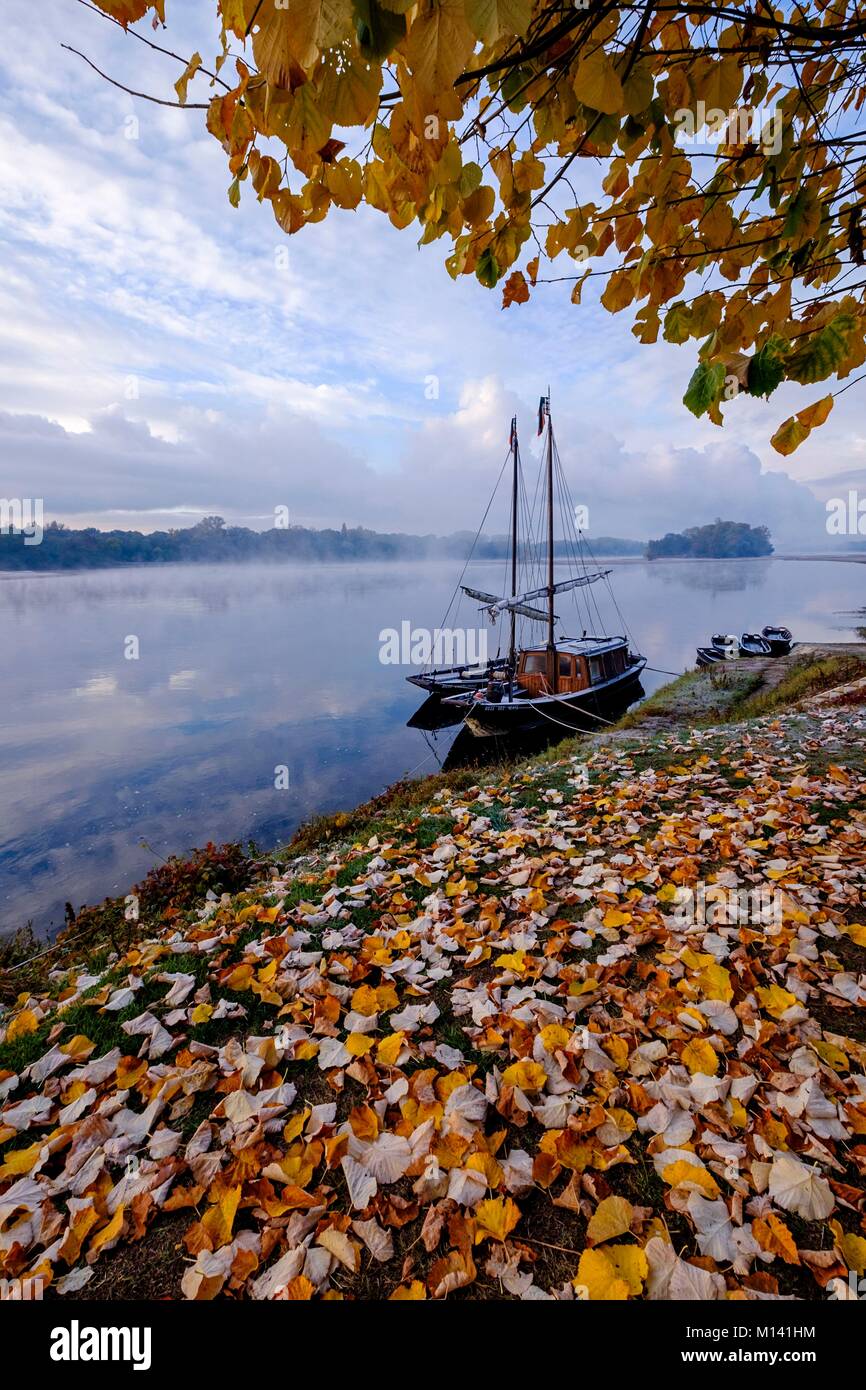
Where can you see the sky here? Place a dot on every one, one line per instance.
(163, 358)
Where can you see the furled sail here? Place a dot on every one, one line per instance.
(494, 604)
(520, 600)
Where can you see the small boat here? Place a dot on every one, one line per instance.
(727, 644)
(753, 644)
(779, 638)
(724, 646)
(567, 680)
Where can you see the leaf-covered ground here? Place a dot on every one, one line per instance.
(495, 1052)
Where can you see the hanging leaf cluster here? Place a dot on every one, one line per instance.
(722, 144)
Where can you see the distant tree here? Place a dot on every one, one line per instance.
(720, 540)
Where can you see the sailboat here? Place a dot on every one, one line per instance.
(564, 680)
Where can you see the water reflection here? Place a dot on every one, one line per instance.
(245, 669)
(712, 576)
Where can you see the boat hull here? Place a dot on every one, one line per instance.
(452, 680)
(753, 645)
(592, 709)
(779, 639)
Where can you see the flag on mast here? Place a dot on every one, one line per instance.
(543, 412)
(512, 438)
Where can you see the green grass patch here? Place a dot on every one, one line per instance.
(804, 678)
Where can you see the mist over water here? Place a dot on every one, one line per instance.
(244, 669)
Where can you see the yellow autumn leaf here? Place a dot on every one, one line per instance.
(611, 1218)
(772, 1234)
(110, 1233)
(815, 415)
(130, 1070)
(613, 1274)
(359, 1044)
(22, 1024)
(615, 917)
(689, 1175)
(19, 1161)
(597, 85)
(219, 1219)
(853, 1248)
(776, 1000)
(365, 1001)
(515, 961)
(528, 1075)
(490, 20)
(439, 43)
(240, 977)
(832, 1055)
(409, 1293)
(715, 983)
(388, 1050)
(699, 1056)
(554, 1037)
(496, 1216)
(186, 77)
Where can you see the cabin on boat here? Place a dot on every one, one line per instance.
(576, 664)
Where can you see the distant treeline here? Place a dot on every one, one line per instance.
(211, 540)
(719, 541)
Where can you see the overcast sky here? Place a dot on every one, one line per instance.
(158, 363)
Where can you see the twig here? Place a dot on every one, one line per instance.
(158, 101)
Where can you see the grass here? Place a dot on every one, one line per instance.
(804, 678)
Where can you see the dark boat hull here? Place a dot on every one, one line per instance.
(753, 645)
(709, 656)
(592, 709)
(451, 680)
(779, 639)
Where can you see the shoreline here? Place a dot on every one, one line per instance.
(848, 558)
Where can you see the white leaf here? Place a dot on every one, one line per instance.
(673, 1279)
(465, 1109)
(332, 1053)
(360, 1181)
(799, 1188)
(378, 1242)
(388, 1157)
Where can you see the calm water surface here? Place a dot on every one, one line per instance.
(243, 669)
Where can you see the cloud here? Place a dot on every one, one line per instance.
(160, 360)
(120, 473)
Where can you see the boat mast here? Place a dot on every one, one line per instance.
(551, 619)
(512, 650)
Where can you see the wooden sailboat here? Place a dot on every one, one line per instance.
(564, 681)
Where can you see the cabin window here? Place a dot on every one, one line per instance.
(564, 664)
(535, 663)
(596, 670)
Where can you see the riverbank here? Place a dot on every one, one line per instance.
(587, 1026)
